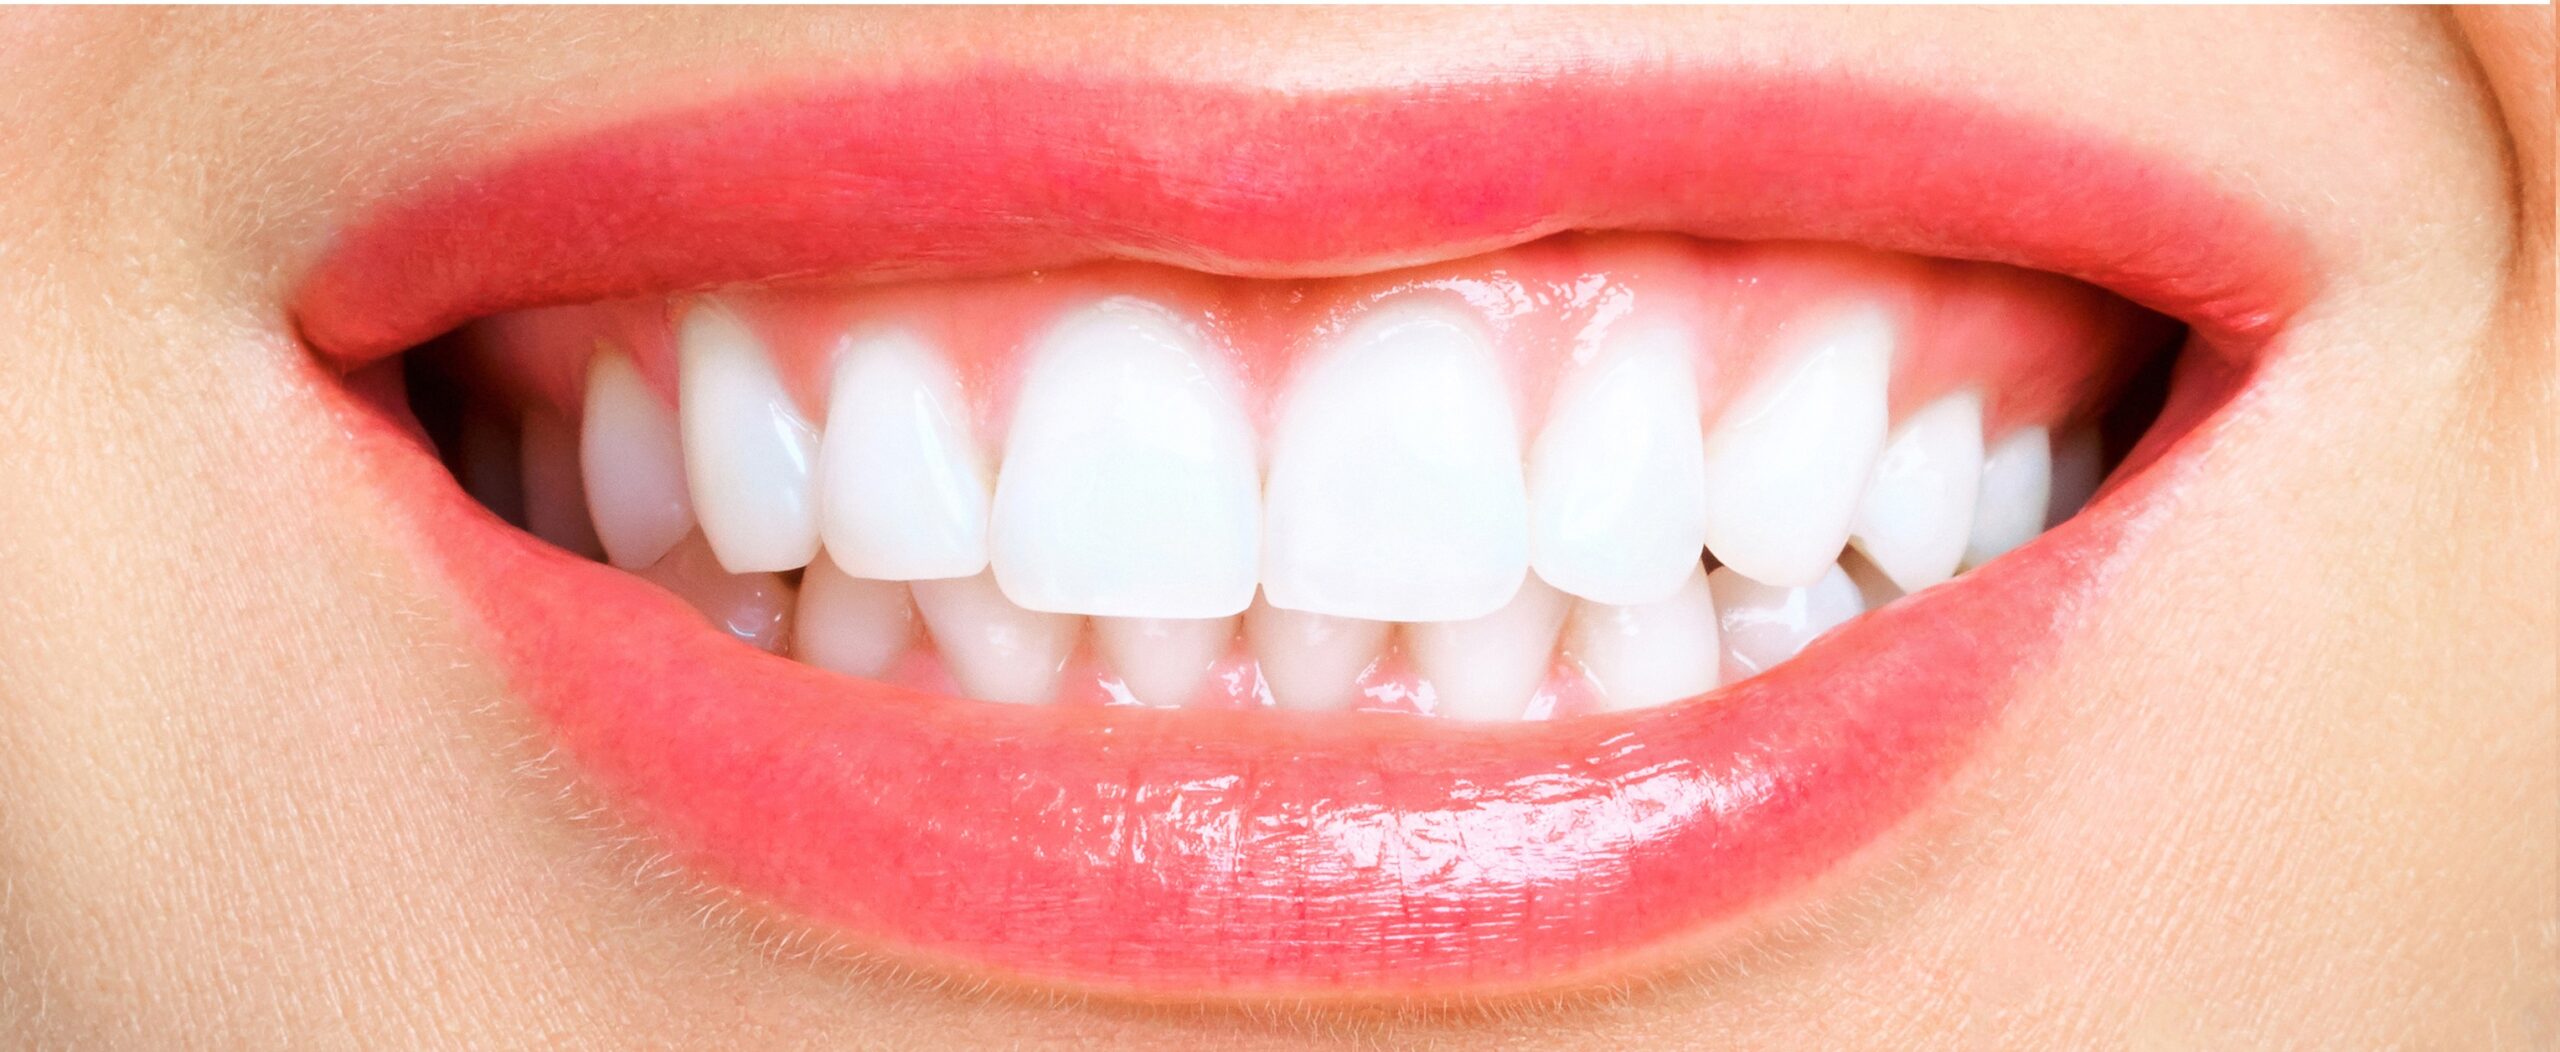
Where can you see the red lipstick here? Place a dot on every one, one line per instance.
(1174, 852)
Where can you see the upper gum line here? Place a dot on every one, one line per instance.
(1838, 399)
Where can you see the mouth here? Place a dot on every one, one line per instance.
(1180, 540)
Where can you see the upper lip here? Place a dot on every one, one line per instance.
(1173, 851)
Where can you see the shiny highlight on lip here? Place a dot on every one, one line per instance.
(1243, 853)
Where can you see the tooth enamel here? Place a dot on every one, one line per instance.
(632, 462)
(754, 607)
(1487, 668)
(1129, 485)
(1163, 660)
(1617, 486)
(747, 451)
(1786, 463)
(1918, 507)
(555, 501)
(1762, 624)
(904, 495)
(995, 650)
(2017, 487)
(1312, 661)
(1649, 653)
(1395, 491)
(850, 624)
(2078, 467)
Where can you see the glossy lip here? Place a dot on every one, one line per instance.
(1180, 853)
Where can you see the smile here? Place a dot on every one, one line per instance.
(1172, 539)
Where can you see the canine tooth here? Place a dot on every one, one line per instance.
(904, 495)
(853, 625)
(1130, 484)
(2017, 487)
(1764, 624)
(747, 451)
(1918, 507)
(631, 459)
(1786, 463)
(1309, 660)
(1617, 484)
(1487, 668)
(1162, 660)
(555, 501)
(1396, 491)
(754, 607)
(2078, 466)
(1649, 654)
(996, 650)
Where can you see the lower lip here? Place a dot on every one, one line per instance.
(1158, 852)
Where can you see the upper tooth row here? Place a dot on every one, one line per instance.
(1393, 487)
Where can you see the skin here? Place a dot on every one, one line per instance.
(2299, 787)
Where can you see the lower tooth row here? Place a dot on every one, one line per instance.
(1718, 627)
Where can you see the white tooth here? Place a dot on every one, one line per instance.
(853, 625)
(1312, 661)
(2078, 467)
(1129, 485)
(996, 650)
(1874, 588)
(1487, 668)
(1787, 461)
(555, 501)
(1617, 483)
(754, 607)
(747, 451)
(1163, 660)
(1762, 624)
(904, 494)
(1395, 491)
(1918, 507)
(1650, 653)
(632, 461)
(2017, 487)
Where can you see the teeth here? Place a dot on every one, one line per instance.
(1918, 506)
(1162, 660)
(1874, 588)
(905, 497)
(555, 501)
(632, 462)
(1129, 485)
(747, 449)
(1617, 490)
(1787, 462)
(850, 624)
(2017, 487)
(754, 607)
(1487, 668)
(1395, 491)
(1650, 653)
(1312, 661)
(1762, 625)
(996, 650)
(2078, 467)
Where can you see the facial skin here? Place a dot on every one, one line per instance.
(2300, 784)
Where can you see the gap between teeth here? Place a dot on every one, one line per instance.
(1133, 520)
